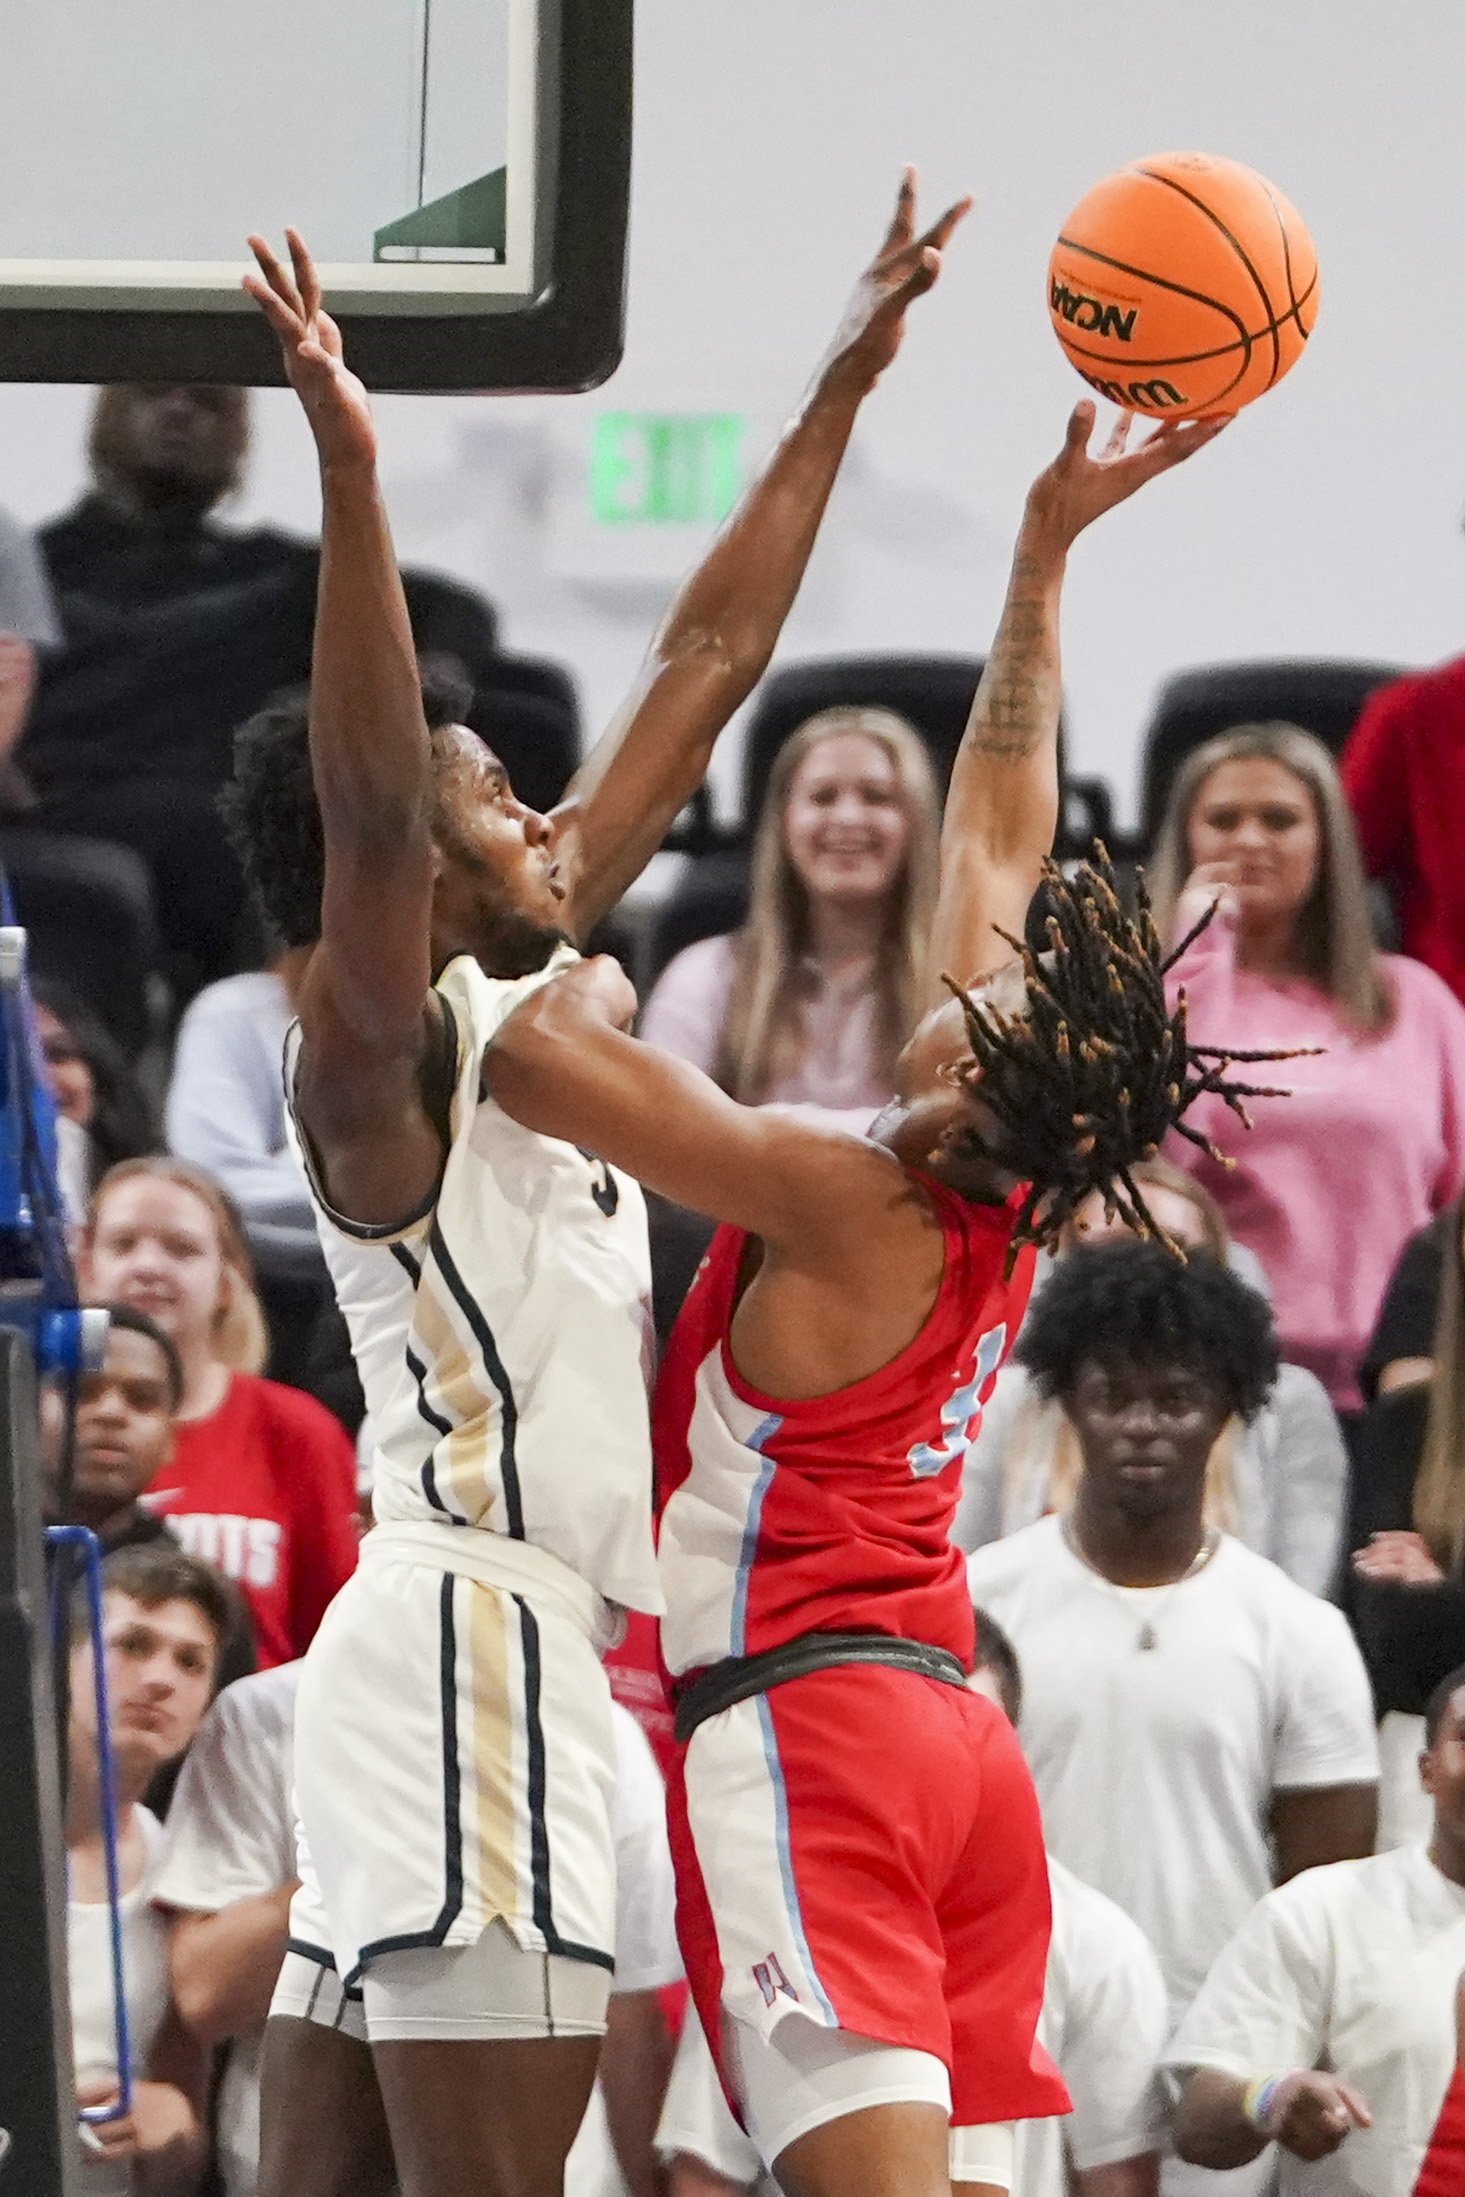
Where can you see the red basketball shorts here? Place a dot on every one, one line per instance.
(862, 1846)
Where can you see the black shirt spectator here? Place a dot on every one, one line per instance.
(1406, 1586)
(1404, 1334)
(176, 629)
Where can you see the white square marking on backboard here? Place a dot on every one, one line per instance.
(144, 138)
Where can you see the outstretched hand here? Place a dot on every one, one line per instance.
(335, 401)
(1078, 488)
(905, 267)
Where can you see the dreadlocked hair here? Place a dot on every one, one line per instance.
(1086, 1080)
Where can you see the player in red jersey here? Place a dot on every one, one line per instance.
(862, 1893)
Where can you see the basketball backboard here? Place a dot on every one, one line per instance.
(459, 168)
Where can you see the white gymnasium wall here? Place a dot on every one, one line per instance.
(769, 136)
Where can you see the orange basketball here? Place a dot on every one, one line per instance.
(1183, 285)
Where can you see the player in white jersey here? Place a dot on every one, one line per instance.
(453, 1742)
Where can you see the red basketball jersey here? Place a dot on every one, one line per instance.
(829, 1514)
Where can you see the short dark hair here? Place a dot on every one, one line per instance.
(996, 1653)
(1439, 1702)
(269, 806)
(1133, 1302)
(155, 1572)
(137, 1323)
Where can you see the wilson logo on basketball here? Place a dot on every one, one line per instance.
(1138, 396)
(1092, 314)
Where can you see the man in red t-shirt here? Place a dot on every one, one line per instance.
(1404, 775)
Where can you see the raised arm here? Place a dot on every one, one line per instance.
(721, 630)
(364, 1000)
(1002, 807)
(563, 1064)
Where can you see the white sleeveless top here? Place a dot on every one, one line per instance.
(502, 1333)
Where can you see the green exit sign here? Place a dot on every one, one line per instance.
(666, 468)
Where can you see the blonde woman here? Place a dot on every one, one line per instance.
(1333, 1179)
(1279, 1483)
(811, 1001)
(262, 1480)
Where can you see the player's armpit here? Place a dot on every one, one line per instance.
(374, 1113)
(559, 1065)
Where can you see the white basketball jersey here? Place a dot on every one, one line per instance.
(503, 1334)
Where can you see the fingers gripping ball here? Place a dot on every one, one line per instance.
(1183, 285)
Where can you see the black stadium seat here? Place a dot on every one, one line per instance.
(934, 694)
(1322, 695)
(87, 906)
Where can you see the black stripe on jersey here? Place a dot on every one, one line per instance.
(452, 1792)
(452, 1800)
(439, 1425)
(538, 1828)
(410, 1266)
(494, 1367)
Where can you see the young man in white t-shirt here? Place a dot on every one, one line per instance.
(1104, 2022)
(1197, 1726)
(228, 1872)
(1328, 2024)
(164, 1615)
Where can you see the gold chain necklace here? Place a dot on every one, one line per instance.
(1146, 1639)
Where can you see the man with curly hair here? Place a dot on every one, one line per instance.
(1197, 1725)
(440, 2010)
(866, 1934)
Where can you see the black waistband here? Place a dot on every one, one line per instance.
(740, 1676)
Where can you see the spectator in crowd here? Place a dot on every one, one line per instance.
(1197, 1726)
(28, 624)
(228, 1874)
(94, 1086)
(226, 1113)
(1406, 1595)
(1333, 1180)
(1103, 2021)
(122, 1439)
(176, 629)
(1327, 2025)
(1400, 1351)
(226, 1880)
(811, 1001)
(262, 1480)
(1279, 1484)
(163, 1617)
(1403, 771)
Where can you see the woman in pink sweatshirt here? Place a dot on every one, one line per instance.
(1331, 1181)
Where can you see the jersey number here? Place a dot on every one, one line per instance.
(603, 1189)
(959, 1410)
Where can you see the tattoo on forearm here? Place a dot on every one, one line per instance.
(1017, 706)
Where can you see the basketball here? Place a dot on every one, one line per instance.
(1183, 285)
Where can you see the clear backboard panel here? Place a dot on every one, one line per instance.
(458, 168)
